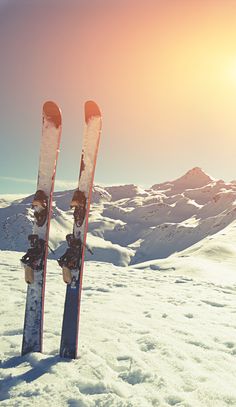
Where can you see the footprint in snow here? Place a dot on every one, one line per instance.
(229, 345)
(103, 290)
(147, 343)
(136, 376)
(124, 363)
(214, 304)
(183, 280)
(91, 389)
(173, 400)
(13, 332)
(199, 344)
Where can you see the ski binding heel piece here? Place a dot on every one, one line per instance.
(29, 274)
(67, 277)
(33, 258)
(40, 206)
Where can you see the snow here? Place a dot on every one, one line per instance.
(7, 199)
(157, 315)
(194, 178)
(128, 224)
(157, 334)
(118, 192)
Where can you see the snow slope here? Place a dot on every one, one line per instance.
(161, 334)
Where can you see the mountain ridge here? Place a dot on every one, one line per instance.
(129, 224)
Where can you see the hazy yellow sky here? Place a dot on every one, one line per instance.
(163, 73)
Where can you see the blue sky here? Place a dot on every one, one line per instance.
(155, 69)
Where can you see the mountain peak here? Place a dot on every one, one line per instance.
(196, 171)
(194, 178)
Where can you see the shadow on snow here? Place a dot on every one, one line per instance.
(38, 369)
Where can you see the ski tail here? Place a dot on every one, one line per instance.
(91, 110)
(53, 113)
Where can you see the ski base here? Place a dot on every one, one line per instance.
(68, 347)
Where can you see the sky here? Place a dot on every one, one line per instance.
(162, 71)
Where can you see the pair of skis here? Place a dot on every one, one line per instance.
(35, 260)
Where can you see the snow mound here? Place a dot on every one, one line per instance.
(118, 192)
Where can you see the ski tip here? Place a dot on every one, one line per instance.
(91, 110)
(52, 113)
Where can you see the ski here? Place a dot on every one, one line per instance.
(35, 260)
(72, 261)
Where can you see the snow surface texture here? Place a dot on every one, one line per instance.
(129, 225)
(161, 333)
(157, 333)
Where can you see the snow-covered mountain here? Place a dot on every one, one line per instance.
(128, 224)
(159, 332)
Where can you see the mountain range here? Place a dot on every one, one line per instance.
(128, 224)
